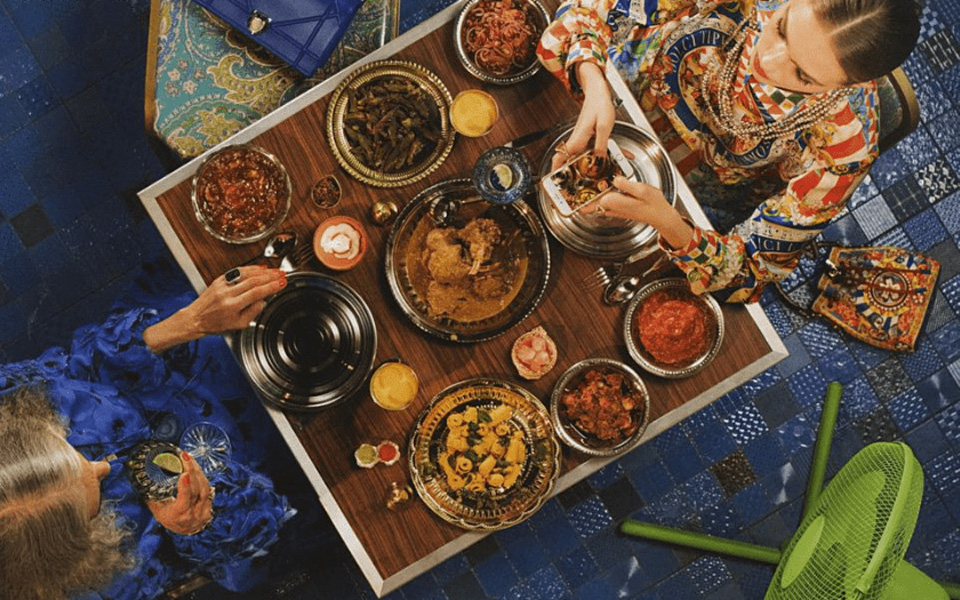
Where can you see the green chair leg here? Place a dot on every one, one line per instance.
(701, 541)
(821, 449)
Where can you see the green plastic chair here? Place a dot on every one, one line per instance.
(853, 534)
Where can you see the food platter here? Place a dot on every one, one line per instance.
(527, 467)
(606, 237)
(518, 30)
(459, 290)
(576, 427)
(313, 344)
(693, 331)
(410, 135)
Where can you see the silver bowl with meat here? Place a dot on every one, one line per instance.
(600, 407)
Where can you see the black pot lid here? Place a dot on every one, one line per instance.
(313, 344)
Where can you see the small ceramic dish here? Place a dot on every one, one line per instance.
(670, 331)
(585, 419)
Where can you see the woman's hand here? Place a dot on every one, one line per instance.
(642, 202)
(596, 119)
(192, 508)
(220, 308)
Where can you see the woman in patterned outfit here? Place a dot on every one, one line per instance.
(772, 100)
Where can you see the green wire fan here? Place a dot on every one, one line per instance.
(853, 534)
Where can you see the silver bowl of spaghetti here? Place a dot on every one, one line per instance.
(496, 40)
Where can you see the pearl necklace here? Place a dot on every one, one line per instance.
(801, 118)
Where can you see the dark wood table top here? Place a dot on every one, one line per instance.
(394, 547)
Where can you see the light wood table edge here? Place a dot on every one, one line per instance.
(378, 583)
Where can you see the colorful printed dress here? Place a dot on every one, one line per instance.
(113, 392)
(788, 188)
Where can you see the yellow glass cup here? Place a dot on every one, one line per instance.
(473, 113)
(394, 385)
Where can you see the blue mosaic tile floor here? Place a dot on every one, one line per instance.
(72, 236)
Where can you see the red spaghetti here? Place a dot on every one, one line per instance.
(500, 35)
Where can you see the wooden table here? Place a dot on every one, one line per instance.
(394, 547)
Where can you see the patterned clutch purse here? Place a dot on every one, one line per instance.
(879, 295)
(302, 33)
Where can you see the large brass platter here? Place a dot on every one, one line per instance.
(525, 250)
(493, 508)
(351, 159)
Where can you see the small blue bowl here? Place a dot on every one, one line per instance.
(502, 175)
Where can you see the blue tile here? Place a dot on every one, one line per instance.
(865, 191)
(720, 520)
(934, 520)
(547, 584)
(606, 476)
(948, 420)
(12, 115)
(943, 472)
(558, 537)
(927, 441)
(677, 585)
(752, 503)
(714, 442)
(699, 421)
(846, 231)
(847, 441)
(36, 97)
(659, 559)
(776, 405)
(651, 481)
(681, 459)
(922, 362)
(495, 575)
(808, 386)
(922, 149)
(765, 453)
(17, 67)
(703, 491)
(946, 340)
(780, 318)
(527, 555)
(796, 434)
(888, 168)
(771, 531)
(939, 390)
(465, 587)
(819, 339)
(589, 517)
(424, 587)
(627, 578)
(609, 549)
(672, 509)
(745, 424)
(597, 589)
(577, 568)
(797, 359)
(645, 454)
(908, 409)
(858, 400)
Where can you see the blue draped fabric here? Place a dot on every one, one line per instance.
(113, 392)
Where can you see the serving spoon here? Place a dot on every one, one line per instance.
(279, 246)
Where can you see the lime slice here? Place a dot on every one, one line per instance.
(169, 462)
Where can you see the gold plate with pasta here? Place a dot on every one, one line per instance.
(484, 455)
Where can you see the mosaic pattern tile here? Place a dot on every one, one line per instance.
(71, 106)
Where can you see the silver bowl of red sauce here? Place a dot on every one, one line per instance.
(672, 332)
(240, 194)
(600, 407)
(496, 40)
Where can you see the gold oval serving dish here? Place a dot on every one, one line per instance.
(388, 123)
(484, 455)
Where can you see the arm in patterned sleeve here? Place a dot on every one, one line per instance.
(581, 32)
(766, 247)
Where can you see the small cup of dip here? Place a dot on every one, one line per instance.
(473, 113)
(339, 243)
(394, 385)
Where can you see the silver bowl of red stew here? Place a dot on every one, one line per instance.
(241, 193)
(496, 40)
(600, 407)
(670, 331)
